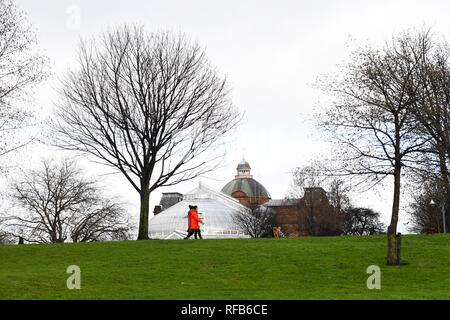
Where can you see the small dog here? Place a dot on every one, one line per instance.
(277, 232)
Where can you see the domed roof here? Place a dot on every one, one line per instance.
(243, 165)
(244, 182)
(250, 186)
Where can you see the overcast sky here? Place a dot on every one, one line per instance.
(271, 52)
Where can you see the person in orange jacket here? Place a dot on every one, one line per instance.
(193, 223)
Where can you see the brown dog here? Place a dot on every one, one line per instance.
(276, 232)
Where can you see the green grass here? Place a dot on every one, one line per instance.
(301, 268)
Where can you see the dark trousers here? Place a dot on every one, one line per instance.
(194, 232)
(197, 233)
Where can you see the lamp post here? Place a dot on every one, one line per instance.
(444, 229)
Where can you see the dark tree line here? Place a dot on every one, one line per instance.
(362, 221)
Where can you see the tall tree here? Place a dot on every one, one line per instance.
(372, 120)
(21, 68)
(148, 105)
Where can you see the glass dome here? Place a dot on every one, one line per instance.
(214, 207)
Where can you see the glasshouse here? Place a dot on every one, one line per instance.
(214, 207)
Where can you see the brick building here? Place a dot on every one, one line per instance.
(296, 217)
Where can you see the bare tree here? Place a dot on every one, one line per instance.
(59, 203)
(319, 218)
(339, 195)
(308, 176)
(257, 223)
(104, 221)
(5, 237)
(316, 216)
(362, 221)
(432, 113)
(372, 120)
(149, 106)
(21, 68)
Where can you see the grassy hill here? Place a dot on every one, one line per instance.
(302, 268)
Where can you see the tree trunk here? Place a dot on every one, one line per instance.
(312, 224)
(143, 217)
(393, 257)
(444, 177)
(444, 170)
